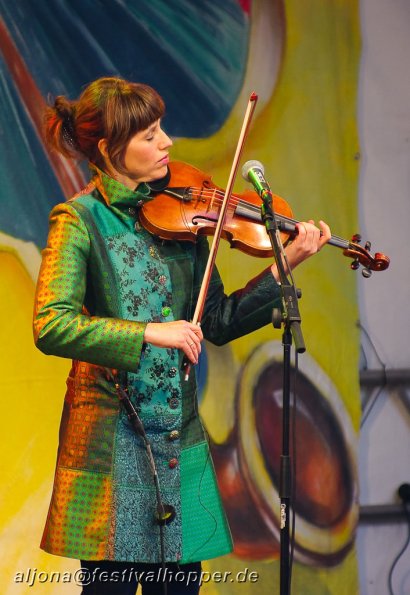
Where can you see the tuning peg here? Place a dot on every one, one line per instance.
(357, 238)
(355, 265)
(366, 273)
(367, 245)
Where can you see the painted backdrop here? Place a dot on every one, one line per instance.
(205, 58)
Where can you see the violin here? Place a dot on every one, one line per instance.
(187, 204)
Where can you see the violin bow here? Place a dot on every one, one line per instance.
(196, 319)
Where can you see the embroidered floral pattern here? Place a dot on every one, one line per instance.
(155, 390)
(141, 299)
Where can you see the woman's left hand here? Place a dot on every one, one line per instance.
(309, 240)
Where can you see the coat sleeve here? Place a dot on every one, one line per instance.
(227, 317)
(60, 325)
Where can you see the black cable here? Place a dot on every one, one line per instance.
(164, 513)
(404, 493)
(365, 331)
(365, 414)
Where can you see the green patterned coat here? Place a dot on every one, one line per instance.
(103, 277)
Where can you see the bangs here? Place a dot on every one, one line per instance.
(133, 109)
(143, 110)
(129, 110)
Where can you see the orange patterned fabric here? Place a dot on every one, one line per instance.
(79, 515)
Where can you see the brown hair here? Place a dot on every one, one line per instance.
(110, 108)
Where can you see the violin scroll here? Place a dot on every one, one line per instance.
(361, 256)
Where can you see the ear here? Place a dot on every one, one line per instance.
(102, 146)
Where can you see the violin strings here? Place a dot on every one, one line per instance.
(236, 201)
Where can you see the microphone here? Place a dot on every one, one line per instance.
(253, 172)
(164, 514)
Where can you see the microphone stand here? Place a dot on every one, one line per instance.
(290, 317)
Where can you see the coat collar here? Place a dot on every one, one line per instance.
(115, 193)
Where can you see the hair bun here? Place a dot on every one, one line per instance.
(64, 109)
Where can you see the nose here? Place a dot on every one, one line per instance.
(165, 140)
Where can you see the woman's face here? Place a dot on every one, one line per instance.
(146, 156)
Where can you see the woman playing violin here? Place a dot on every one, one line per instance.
(118, 301)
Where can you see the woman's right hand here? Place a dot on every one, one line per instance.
(178, 334)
